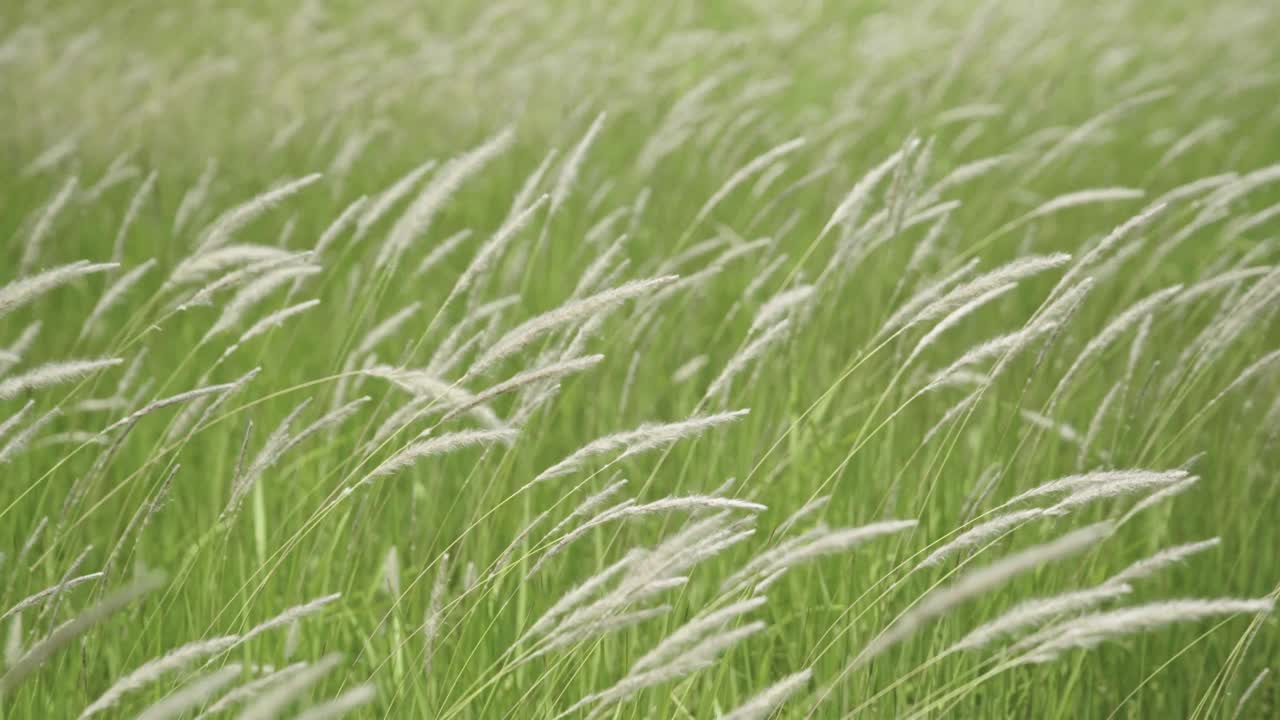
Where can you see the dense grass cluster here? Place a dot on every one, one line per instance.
(629, 359)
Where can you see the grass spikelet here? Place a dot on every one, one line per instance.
(114, 295)
(353, 699)
(221, 230)
(442, 251)
(646, 437)
(982, 532)
(762, 705)
(1072, 483)
(61, 587)
(53, 374)
(441, 445)
(977, 582)
(191, 695)
(1168, 557)
(525, 333)
(387, 199)
(289, 616)
(1033, 613)
(131, 214)
(1092, 630)
(251, 689)
(67, 632)
(573, 164)
(25, 290)
(195, 198)
(417, 218)
(268, 704)
(550, 371)
(152, 670)
(719, 387)
(44, 223)
(1110, 334)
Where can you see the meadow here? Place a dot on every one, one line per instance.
(574, 359)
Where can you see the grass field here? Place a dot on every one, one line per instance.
(640, 359)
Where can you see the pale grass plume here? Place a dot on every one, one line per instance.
(1109, 334)
(289, 616)
(574, 598)
(1085, 197)
(52, 374)
(270, 322)
(573, 164)
(1121, 233)
(719, 387)
(274, 447)
(522, 335)
(442, 251)
(588, 506)
(24, 290)
(251, 689)
(191, 695)
(550, 371)
(152, 670)
(978, 582)
(486, 257)
(385, 329)
(36, 598)
(1011, 272)
(1119, 488)
(434, 618)
(1034, 613)
(113, 296)
(955, 317)
(1248, 692)
(1089, 631)
(157, 405)
(1095, 424)
(982, 533)
(699, 657)
(353, 699)
(221, 230)
(850, 207)
(1072, 483)
(694, 631)
(13, 643)
(810, 545)
(131, 214)
(525, 196)
(763, 704)
(746, 172)
(195, 197)
(804, 511)
(628, 509)
(268, 703)
(419, 216)
(1166, 558)
(23, 437)
(340, 225)
(646, 437)
(780, 305)
(382, 203)
(44, 223)
(15, 419)
(255, 292)
(16, 353)
(201, 264)
(240, 276)
(688, 370)
(441, 445)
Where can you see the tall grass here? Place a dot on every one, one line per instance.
(394, 360)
